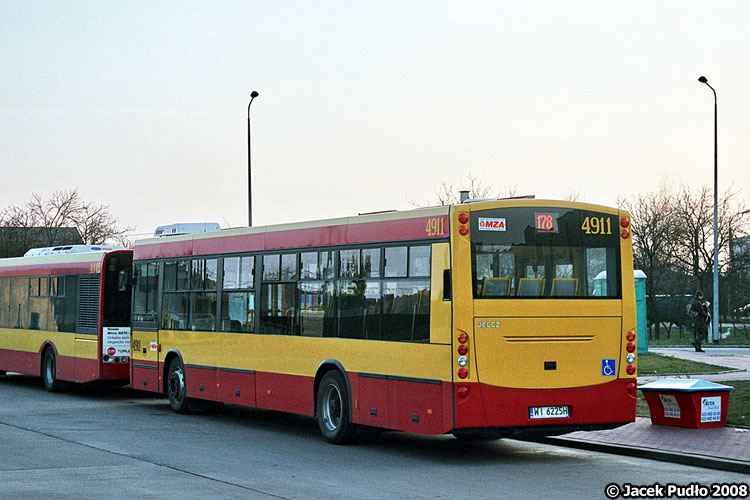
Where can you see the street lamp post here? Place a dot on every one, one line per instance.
(253, 95)
(716, 322)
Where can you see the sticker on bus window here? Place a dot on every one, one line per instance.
(116, 341)
(492, 223)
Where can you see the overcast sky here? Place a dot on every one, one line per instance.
(365, 105)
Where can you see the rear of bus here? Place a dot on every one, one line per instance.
(544, 317)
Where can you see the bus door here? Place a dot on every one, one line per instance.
(144, 351)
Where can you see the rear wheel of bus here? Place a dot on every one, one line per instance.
(49, 371)
(334, 409)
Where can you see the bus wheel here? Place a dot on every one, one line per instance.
(49, 371)
(176, 388)
(334, 409)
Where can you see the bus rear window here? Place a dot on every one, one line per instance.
(542, 252)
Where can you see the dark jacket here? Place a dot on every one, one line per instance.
(701, 320)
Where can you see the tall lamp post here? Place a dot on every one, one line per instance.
(253, 95)
(716, 321)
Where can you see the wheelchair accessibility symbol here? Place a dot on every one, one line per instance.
(608, 367)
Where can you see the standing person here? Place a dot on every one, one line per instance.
(700, 321)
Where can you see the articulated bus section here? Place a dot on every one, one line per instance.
(66, 316)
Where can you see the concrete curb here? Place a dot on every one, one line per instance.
(650, 453)
(691, 375)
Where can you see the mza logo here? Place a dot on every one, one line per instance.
(492, 224)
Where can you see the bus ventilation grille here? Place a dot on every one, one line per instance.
(88, 304)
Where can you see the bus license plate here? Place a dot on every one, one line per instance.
(548, 412)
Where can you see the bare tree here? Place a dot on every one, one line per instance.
(448, 194)
(574, 195)
(694, 211)
(48, 218)
(654, 244)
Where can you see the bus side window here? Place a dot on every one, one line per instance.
(447, 284)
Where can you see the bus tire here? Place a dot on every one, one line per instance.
(334, 409)
(49, 371)
(176, 387)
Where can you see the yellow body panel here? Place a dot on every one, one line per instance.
(511, 352)
(67, 344)
(440, 310)
(86, 346)
(294, 355)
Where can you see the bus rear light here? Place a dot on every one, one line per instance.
(630, 369)
(463, 392)
(463, 361)
(630, 358)
(463, 337)
(630, 347)
(463, 349)
(631, 387)
(463, 218)
(625, 233)
(463, 373)
(630, 336)
(624, 221)
(464, 229)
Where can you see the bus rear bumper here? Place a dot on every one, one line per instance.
(597, 407)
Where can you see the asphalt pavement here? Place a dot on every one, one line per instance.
(724, 448)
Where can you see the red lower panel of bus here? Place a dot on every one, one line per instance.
(144, 375)
(114, 371)
(289, 393)
(414, 405)
(20, 362)
(67, 368)
(489, 406)
(401, 403)
(236, 387)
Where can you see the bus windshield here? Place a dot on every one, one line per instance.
(544, 252)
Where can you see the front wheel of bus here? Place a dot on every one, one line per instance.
(49, 371)
(334, 409)
(176, 388)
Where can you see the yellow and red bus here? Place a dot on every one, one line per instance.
(65, 314)
(487, 319)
